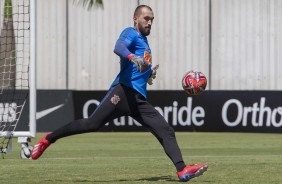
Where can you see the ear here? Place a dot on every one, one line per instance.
(135, 19)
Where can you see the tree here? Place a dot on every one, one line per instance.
(7, 48)
(8, 44)
(90, 4)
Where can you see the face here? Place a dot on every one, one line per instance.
(144, 21)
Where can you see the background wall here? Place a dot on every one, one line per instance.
(236, 43)
(246, 44)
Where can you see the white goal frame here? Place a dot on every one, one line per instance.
(32, 82)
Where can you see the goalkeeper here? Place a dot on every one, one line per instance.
(127, 97)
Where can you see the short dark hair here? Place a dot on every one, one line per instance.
(137, 11)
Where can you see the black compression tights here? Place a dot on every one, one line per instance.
(121, 101)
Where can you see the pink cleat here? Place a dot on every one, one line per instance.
(191, 171)
(40, 147)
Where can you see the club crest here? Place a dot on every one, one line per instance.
(115, 99)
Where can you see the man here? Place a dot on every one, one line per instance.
(127, 97)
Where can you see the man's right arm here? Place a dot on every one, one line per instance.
(126, 39)
(121, 49)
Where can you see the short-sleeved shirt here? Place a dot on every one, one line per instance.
(129, 75)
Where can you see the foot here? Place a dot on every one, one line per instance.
(40, 147)
(191, 171)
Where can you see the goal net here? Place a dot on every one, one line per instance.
(17, 69)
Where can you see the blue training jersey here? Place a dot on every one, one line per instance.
(131, 41)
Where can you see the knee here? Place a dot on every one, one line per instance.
(91, 125)
(170, 132)
(167, 132)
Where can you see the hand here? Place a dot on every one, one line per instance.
(141, 64)
(153, 75)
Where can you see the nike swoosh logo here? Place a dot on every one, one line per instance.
(45, 112)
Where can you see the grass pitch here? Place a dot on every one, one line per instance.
(126, 158)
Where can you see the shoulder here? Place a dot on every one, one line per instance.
(129, 31)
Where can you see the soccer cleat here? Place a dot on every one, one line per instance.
(40, 147)
(191, 171)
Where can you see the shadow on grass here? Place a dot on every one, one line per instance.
(159, 178)
(151, 179)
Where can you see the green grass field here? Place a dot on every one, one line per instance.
(125, 158)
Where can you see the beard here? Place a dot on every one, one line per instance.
(145, 31)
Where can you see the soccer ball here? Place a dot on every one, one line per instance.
(26, 151)
(194, 82)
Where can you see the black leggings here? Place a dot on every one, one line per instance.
(125, 101)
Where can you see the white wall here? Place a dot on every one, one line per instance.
(179, 39)
(92, 37)
(51, 44)
(245, 53)
(247, 44)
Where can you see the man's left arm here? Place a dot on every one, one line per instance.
(153, 74)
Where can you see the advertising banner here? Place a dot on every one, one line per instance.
(54, 109)
(212, 111)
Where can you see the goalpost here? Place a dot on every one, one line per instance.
(17, 72)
